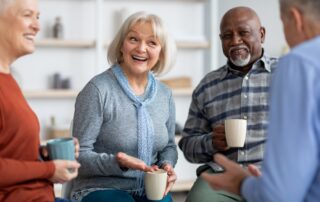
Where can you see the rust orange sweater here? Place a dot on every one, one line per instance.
(22, 176)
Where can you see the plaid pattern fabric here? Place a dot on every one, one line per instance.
(227, 93)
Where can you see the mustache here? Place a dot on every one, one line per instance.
(233, 48)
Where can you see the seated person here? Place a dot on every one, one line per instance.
(23, 177)
(239, 89)
(125, 118)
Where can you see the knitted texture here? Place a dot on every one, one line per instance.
(145, 130)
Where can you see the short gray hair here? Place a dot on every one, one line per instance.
(168, 47)
(308, 7)
(4, 4)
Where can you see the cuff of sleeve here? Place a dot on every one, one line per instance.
(124, 169)
(117, 168)
(162, 163)
(51, 168)
(209, 145)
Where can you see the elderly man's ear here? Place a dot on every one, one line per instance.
(297, 16)
(263, 34)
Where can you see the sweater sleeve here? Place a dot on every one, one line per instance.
(15, 171)
(169, 153)
(88, 118)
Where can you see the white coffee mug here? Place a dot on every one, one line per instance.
(155, 184)
(236, 130)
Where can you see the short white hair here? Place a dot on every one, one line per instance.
(168, 46)
(4, 4)
(310, 8)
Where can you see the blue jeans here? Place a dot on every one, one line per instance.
(119, 196)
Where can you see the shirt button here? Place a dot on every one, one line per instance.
(245, 96)
(245, 117)
(242, 153)
(246, 77)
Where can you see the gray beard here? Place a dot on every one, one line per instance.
(239, 62)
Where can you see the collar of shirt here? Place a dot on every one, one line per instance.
(264, 62)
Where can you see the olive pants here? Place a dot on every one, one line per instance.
(202, 192)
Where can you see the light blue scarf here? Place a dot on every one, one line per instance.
(145, 123)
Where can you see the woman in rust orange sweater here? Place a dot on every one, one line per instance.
(22, 176)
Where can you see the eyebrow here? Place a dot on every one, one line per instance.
(30, 10)
(151, 36)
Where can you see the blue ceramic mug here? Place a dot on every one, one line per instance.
(61, 148)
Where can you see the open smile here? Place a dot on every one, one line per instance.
(139, 58)
(29, 37)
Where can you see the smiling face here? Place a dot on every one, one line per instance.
(18, 27)
(140, 50)
(241, 36)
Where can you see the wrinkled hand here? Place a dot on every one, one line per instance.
(219, 141)
(127, 161)
(44, 152)
(230, 180)
(62, 172)
(172, 177)
(76, 147)
(45, 155)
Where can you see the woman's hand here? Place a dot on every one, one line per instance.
(45, 155)
(172, 177)
(76, 147)
(62, 171)
(127, 161)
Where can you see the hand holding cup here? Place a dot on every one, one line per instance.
(155, 184)
(62, 152)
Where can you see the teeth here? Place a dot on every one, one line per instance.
(30, 37)
(139, 58)
(237, 51)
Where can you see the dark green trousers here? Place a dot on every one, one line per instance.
(202, 192)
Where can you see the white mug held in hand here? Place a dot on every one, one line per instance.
(155, 184)
(236, 130)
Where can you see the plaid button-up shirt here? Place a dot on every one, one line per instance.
(223, 94)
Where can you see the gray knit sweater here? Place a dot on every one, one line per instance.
(105, 123)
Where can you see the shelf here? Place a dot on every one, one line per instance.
(182, 91)
(47, 94)
(183, 185)
(193, 44)
(58, 43)
(165, 0)
(187, 44)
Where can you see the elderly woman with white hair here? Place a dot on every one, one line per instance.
(125, 118)
(23, 177)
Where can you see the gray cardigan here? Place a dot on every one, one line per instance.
(105, 123)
